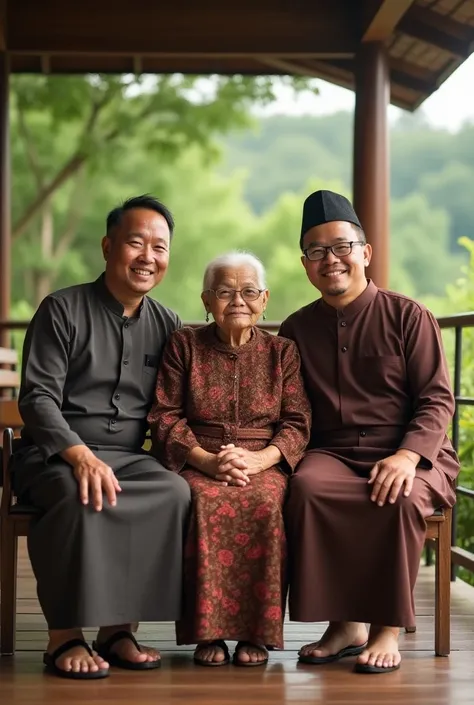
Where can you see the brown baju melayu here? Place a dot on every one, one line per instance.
(88, 378)
(377, 380)
(209, 394)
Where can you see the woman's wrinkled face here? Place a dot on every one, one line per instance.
(235, 299)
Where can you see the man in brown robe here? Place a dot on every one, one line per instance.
(379, 462)
(106, 548)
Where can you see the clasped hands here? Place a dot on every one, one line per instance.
(391, 474)
(234, 465)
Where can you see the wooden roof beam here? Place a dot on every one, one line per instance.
(384, 17)
(438, 30)
(208, 27)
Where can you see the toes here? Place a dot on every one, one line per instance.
(149, 653)
(100, 663)
(363, 658)
(76, 664)
(372, 661)
(309, 649)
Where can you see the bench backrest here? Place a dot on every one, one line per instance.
(9, 376)
(9, 386)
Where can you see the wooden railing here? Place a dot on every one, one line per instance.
(458, 322)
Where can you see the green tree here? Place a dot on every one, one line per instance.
(69, 132)
(282, 154)
(450, 188)
(419, 248)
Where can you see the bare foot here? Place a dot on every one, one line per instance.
(382, 649)
(251, 653)
(76, 659)
(209, 651)
(338, 636)
(125, 648)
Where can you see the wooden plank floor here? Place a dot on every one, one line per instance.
(423, 677)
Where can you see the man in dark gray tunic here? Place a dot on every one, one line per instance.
(107, 547)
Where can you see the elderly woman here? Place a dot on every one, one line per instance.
(232, 417)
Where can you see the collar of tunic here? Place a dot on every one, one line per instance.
(213, 339)
(110, 301)
(363, 300)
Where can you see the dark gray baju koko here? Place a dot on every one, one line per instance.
(89, 377)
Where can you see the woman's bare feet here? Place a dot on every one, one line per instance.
(125, 648)
(247, 654)
(76, 659)
(210, 652)
(338, 637)
(382, 652)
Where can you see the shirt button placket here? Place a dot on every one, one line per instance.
(343, 344)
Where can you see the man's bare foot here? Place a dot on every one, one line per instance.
(77, 658)
(382, 649)
(125, 648)
(338, 636)
(210, 652)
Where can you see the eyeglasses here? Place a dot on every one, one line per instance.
(248, 293)
(341, 249)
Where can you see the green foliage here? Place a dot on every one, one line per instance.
(87, 140)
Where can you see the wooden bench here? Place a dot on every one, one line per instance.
(439, 531)
(15, 520)
(9, 385)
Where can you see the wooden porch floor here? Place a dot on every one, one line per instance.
(423, 677)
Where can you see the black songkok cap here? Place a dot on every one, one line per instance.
(324, 207)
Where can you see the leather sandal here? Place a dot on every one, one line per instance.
(104, 650)
(49, 661)
(245, 645)
(220, 643)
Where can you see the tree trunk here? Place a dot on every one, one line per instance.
(44, 279)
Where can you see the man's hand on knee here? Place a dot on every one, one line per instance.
(95, 478)
(390, 475)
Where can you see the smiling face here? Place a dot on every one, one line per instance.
(136, 253)
(235, 312)
(336, 276)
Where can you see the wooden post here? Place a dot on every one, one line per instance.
(371, 154)
(5, 241)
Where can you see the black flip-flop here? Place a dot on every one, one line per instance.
(343, 653)
(366, 668)
(222, 645)
(115, 660)
(243, 645)
(49, 661)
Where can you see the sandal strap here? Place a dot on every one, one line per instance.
(70, 645)
(248, 644)
(118, 636)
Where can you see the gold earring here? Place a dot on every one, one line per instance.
(207, 316)
(264, 315)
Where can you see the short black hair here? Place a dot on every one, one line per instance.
(147, 201)
(360, 233)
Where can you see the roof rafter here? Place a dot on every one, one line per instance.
(439, 30)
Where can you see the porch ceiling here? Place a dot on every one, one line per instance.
(426, 39)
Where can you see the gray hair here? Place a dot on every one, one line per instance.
(237, 258)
